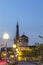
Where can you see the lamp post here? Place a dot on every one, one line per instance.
(14, 48)
(6, 38)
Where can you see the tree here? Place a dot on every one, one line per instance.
(41, 51)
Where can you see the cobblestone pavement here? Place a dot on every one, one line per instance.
(25, 63)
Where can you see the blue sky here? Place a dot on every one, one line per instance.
(29, 14)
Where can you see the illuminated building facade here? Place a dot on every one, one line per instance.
(22, 44)
(23, 39)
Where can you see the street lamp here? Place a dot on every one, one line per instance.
(14, 45)
(14, 48)
(6, 38)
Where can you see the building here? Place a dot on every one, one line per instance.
(22, 43)
(23, 40)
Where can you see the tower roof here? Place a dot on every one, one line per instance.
(24, 36)
(17, 31)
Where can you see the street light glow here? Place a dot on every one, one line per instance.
(14, 46)
(6, 36)
(17, 49)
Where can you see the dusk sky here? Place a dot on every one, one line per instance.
(29, 14)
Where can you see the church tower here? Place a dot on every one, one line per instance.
(17, 31)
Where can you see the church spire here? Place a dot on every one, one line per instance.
(17, 31)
